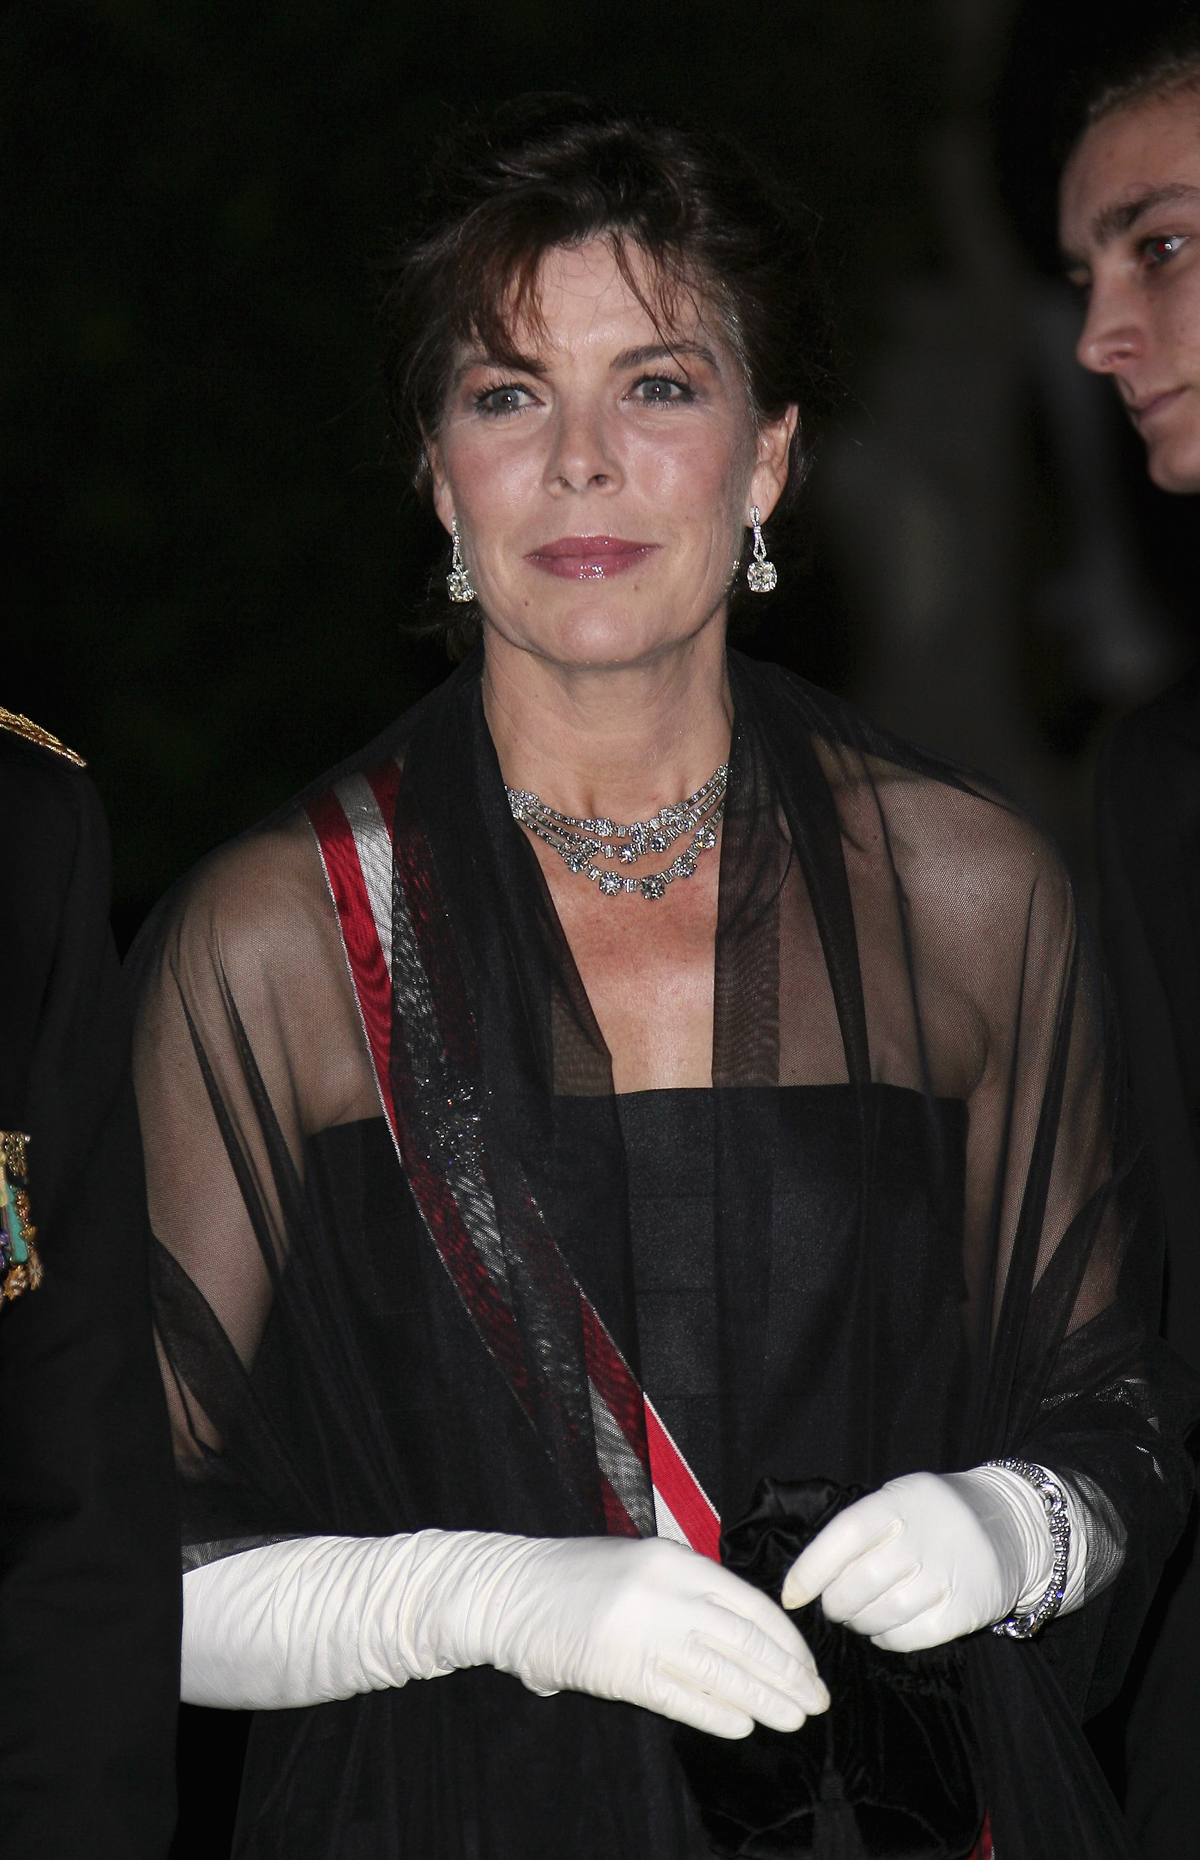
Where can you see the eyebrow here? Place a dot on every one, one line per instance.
(523, 364)
(628, 358)
(665, 351)
(1124, 215)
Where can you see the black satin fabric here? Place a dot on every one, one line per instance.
(668, 1137)
(845, 1325)
(891, 1769)
(774, 1316)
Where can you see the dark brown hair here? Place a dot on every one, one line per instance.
(1171, 72)
(548, 171)
(1154, 71)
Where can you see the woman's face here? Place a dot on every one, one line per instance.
(602, 488)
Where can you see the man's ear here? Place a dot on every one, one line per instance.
(771, 465)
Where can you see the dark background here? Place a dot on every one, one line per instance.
(211, 560)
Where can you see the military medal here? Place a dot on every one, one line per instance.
(20, 1267)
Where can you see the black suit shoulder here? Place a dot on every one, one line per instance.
(1148, 824)
(1149, 776)
(1148, 853)
(44, 797)
(56, 849)
(1174, 714)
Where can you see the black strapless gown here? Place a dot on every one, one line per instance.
(792, 1335)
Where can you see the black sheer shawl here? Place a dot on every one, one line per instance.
(889, 929)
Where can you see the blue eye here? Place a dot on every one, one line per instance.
(661, 390)
(509, 397)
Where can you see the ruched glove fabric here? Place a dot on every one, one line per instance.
(646, 1621)
(932, 1556)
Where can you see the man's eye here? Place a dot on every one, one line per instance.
(661, 390)
(1159, 251)
(509, 397)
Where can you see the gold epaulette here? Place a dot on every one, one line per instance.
(34, 733)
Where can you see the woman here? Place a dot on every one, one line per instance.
(631, 1077)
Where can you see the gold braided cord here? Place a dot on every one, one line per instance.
(13, 721)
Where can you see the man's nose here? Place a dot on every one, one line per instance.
(1113, 334)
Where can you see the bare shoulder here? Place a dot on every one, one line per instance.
(260, 899)
(255, 921)
(965, 854)
(251, 943)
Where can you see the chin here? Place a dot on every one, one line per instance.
(1176, 467)
(601, 634)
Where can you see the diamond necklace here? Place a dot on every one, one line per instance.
(578, 842)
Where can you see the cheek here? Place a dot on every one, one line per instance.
(695, 482)
(1180, 323)
(492, 483)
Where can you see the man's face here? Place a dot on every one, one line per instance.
(1130, 229)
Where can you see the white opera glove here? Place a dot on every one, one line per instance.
(645, 1621)
(932, 1556)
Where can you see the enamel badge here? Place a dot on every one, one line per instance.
(20, 1267)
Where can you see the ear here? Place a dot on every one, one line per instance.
(771, 463)
(443, 502)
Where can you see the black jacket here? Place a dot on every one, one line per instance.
(1149, 854)
(89, 1575)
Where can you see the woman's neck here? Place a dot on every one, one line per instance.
(620, 741)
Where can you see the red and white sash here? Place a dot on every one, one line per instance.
(421, 1037)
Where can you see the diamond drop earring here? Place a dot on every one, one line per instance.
(458, 582)
(761, 574)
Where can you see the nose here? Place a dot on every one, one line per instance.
(581, 455)
(1113, 334)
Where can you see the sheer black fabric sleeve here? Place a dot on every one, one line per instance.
(1062, 1240)
(976, 979)
(247, 1042)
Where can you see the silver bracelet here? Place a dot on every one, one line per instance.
(1058, 1519)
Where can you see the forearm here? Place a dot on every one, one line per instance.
(314, 1619)
(1097, 1537)
(307, 1621)
(1125, 1456)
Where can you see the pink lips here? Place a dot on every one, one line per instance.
(1141, 411)
(588, 558)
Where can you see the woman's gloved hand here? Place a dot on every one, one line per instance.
(646, 1621)
(929, 1557)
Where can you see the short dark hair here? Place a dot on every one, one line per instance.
(546, 171)
(1168, 68)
